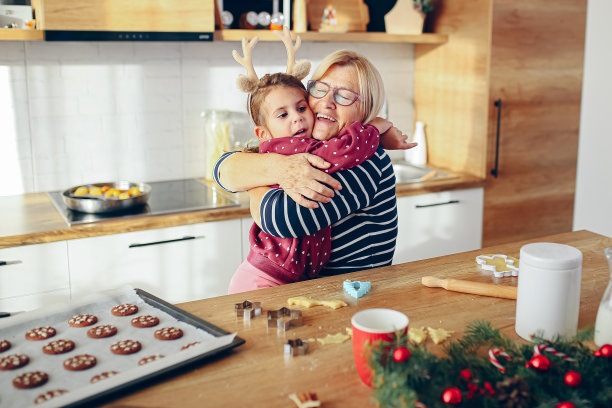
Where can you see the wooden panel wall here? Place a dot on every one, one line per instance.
(451, 86)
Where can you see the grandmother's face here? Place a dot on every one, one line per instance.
(331, 117)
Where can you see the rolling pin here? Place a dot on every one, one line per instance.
(477, 288)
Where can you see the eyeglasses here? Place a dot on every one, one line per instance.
(342, 96)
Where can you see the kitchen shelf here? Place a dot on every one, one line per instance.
(21, 34)
(267, 35)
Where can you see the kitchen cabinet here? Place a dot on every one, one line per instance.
(436, 224)
(178, 264)
(34, 276)
(529, 55)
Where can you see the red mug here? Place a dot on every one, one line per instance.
(368, 326)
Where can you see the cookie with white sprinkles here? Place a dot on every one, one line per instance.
(4, 345)
(58, 346)
(80, 362)
(82, 320)
(40, 333)
(126, 347)
(145, 321)
(124, 309)
(31, 379)
(148, 359)
(105, 330)
(168, 333)
(102, 376)
(46, 396)
(13, 361)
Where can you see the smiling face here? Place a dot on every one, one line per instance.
(331, 117)
(286, 113)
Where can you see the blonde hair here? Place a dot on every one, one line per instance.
(371, 87)
(263, 88)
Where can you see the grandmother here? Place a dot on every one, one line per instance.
(359, 203)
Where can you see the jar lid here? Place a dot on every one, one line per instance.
(551, 255)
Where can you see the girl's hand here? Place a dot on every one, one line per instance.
(299, 176)
(394, 139)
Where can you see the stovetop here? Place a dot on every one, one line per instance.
(166, 197)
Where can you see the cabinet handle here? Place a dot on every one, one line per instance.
(167, 241)
(7, 263)
(435, 204)
(495, 170)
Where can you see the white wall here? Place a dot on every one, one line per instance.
(79, 112)
(593, 204)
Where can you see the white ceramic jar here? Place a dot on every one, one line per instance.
(548, 297)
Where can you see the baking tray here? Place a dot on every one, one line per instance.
(150, 375)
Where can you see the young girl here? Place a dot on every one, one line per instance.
(283, 123)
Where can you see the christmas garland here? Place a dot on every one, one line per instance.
(487, 369)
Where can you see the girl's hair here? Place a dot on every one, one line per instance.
(371, 87)
(263, 88)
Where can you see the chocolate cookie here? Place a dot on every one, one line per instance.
(48, 395)
(168, 333)
(186, 346)
(105, 330)
(40, 333)
(82, 320)
(150, 358)
(30, 379)
(80, 362)
(102, 376)
(124, 309)
(4, 345)
(125, 347)
(13, 361)
(58, 347)
(145, 321)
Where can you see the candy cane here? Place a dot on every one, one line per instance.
(538, 348)
(493, 352)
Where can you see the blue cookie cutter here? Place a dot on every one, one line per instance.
(356, 288)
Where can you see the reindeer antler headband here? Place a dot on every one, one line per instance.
(248, 83)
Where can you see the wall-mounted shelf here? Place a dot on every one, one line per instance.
(266, 35)
(21, 34)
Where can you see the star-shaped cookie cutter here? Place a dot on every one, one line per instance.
(276, 318)
(508, 269)
(297, 347)
(248, 309)
(356, 288)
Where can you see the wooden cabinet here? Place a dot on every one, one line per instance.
(178, 264)
(437, 224)
(34, 276)
(529, 54)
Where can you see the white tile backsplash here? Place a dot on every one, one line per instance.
(100, 111)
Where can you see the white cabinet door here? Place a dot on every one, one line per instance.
(438, 224)
(246, 227)
(33, 276)
(178, 264)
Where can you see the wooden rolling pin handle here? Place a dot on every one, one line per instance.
(476, 288)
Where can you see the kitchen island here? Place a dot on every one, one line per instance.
(258, 374)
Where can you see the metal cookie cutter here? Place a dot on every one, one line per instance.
(248, 309)
(276, 318)
(295, 347)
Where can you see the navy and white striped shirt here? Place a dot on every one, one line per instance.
(363, 216)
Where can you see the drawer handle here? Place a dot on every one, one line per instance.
(436, 204)
(167, 241)
(495, 170)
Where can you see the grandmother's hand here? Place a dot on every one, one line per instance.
(394, 139)
(299, 177)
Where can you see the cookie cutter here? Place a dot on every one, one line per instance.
(276, 318)
(248, 309)
(356, 288)
(509, 268)
(297, 347)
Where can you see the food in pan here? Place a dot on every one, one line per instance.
(48, 395)
(58, 347)
(134, 191)
(107, 192)
(148, 359)
(168, 333)
(81, 191)
(95, 191)
(145, 321)
(102, 376)
(124, 309)
(4, 345)
(80, 362)
(125, 347)
(82, 320)
(13, 361)
(30, 379)
(40, 333)
(99, 332)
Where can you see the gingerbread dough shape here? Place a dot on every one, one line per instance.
(501, 265)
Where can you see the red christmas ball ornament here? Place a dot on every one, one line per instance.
(401, 354)
(466, 374)
(572, 378)
(604, 351)
(539, 362)
(451, 395)
(565, 404)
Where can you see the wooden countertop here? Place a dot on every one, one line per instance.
(33, 219)
(257, 374)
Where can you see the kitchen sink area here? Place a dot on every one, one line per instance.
(410, 173)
